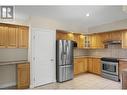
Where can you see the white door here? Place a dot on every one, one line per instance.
(44, 56)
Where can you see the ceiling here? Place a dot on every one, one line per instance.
(76, 14)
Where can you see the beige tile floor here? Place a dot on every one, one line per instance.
(85, 81)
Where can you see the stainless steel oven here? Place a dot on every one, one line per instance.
(110, 68)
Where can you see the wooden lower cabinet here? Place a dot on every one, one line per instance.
(94, 65)
(23, 75)
(90, 65)
(80, 65)
(87, 64)
(122, 65)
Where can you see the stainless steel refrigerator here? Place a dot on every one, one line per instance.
(64, 60)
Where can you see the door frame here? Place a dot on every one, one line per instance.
(32, 41)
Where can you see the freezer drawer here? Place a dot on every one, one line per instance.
(64, 73)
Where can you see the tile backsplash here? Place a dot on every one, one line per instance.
(13, 54)
(111, 51)
(80, 52)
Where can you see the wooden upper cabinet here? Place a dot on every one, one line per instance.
(3, 38)
(105, 36)
(70, 36)
(12, 37)
(81, 41)
(99, 42)
(116, 35)
(23, 37)
(61, 35)
(124, 39)
(76, 39)
(93, 41)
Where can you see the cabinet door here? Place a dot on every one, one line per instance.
(81, 41)
(124, 39)
(116, 35)
(90, 65)
(105, 36)
(122, 65)
(81, 65)
(3, 36)
(76, 39)
(99, 42)
(85, 64)
(23, 75)
(96, 66)
(23, 37)
(70, 36)
(12, 37)
(93, 41)
(78, 65)
(61, 36)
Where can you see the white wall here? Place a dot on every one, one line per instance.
(53, 24)
(121, 24)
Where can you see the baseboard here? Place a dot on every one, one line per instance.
(32, 86)
(7, 85)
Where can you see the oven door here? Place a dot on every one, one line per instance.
(110, 67)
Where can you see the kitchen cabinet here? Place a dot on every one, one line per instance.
(85, 64)
(76, 39)
(122, 65)
(124, 79)
(3, 34)
(81, 41)
(23, 75)
(116, 35)
(87, 43)
(90, 65)
(78, 65)
(96, 41)
(94, 65)
(70, 36)
(105, 36)
(99, 42)
(93, 41)
(61, 35)
(23, 37)
(124, 39)
(12, 37)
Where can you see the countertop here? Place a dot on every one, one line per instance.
(87, 56)
(13, 62)
(120, 59)
(123, 59)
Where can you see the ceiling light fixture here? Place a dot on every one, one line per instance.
(87, 14)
